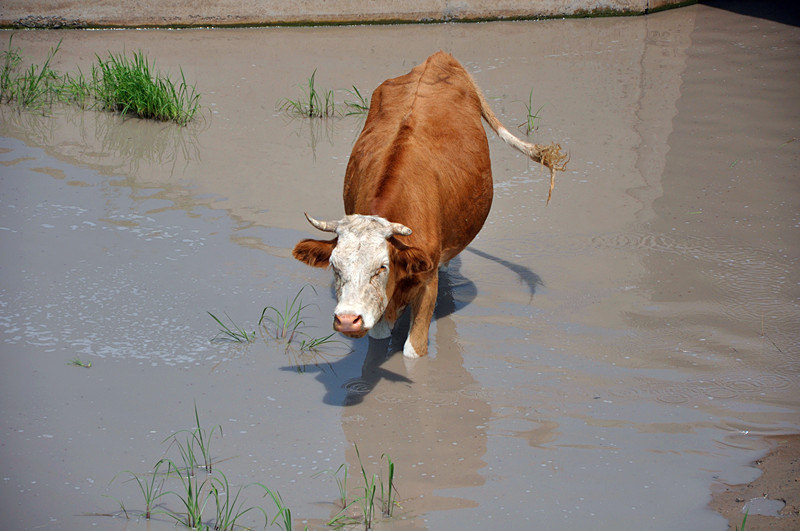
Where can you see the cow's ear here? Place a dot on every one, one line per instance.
(315, 253)
(413, 260)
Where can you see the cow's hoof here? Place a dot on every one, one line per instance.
(409, 352)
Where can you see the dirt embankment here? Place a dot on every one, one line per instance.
(119, 13)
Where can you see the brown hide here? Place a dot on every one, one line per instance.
(422, 162)
(423, 159)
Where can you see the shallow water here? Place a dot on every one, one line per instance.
(598, 361)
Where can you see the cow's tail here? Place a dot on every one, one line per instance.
(548, 155)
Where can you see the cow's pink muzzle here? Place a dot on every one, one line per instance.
(349, 325)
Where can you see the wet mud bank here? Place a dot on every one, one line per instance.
(640, 331)
(76, 14)
(771, 501)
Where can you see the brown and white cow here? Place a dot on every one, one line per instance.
(417, 190)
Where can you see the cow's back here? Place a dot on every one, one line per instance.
(423, 158)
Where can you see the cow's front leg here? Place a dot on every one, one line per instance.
(382, 329)
(422, 307)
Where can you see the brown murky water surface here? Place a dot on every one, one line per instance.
(595, 364)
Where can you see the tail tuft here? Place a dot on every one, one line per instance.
(550, 156)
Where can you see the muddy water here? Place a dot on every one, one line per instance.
(599, 361)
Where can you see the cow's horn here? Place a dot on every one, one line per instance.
(327, 226)
(399, 228)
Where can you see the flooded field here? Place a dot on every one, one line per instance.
(594, 364)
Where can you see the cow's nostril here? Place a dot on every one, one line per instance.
(347, 322)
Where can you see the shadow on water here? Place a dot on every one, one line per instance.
(525, 275)
(349, 379)
(783, 11)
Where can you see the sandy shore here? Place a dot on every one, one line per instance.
(779, 481)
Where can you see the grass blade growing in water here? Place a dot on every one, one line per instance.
(289, 320)
(237, 334)
(315, 103)
(359, 106)
(128, 86)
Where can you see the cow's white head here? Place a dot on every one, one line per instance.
(362, 257)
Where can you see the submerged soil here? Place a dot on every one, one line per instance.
(608, 360)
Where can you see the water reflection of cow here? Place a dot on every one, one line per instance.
(430, 418)
(417, 190)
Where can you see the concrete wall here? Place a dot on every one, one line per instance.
(123, 13)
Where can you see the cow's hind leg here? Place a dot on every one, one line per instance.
(422, 307)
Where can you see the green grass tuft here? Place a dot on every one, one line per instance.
(320, 103)
(76, 362)
(236, 333)
(10, 63)
(341, 482)
(230, 509)
(289, 320)
(33, 87)
(130, 86)
(386, 494)
(119, 83)
(533, 118)
(358, 106)
(197, 488)
(367, 502)
(315, 102)
(313, 344)
(194, 495)
(199, 438)
(284, 514)
(150, 488)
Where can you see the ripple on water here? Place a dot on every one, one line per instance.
(750, 283)
(396, 398)
(790, 368)
(700, 390)
(357, 386)
(97, 272)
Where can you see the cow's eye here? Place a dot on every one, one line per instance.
(382, 269)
